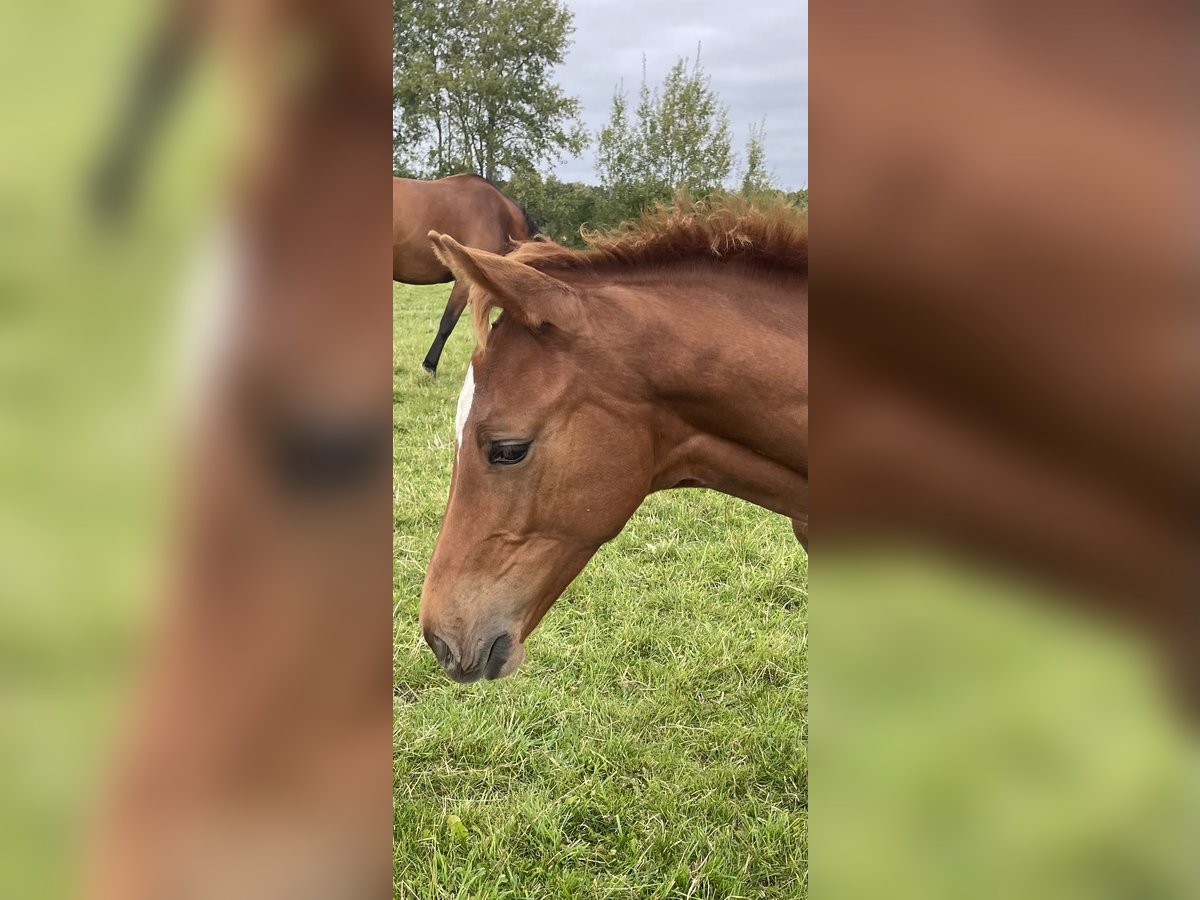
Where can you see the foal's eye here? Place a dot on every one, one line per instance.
(507, 453)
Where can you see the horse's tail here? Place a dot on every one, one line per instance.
(531, 228)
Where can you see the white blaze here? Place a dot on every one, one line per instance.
(211, 300)
(465, 400)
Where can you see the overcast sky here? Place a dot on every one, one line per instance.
(755, 52)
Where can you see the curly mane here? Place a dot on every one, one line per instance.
(771, 235)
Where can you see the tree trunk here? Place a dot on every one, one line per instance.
(489, 141)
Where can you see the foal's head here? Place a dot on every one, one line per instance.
(549, 464)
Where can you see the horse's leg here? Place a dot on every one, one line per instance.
(454, 308)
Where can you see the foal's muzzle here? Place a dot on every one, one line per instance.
(487, 662)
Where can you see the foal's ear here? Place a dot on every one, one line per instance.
(531, 297)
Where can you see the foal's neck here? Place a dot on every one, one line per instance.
(724, 360)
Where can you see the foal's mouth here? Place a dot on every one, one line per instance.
(501, 658)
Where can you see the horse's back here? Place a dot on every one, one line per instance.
(413, 259)
(466, 207)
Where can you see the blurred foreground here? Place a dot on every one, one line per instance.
(1005, 365)
(196, 500)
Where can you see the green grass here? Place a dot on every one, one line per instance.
(653, 744)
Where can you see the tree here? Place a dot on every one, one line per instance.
(473, 89)
(678, 139)
(560, 208)
(756, 179)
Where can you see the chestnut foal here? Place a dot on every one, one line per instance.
(671, 354)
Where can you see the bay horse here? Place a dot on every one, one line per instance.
(672, 353)
(473, 211)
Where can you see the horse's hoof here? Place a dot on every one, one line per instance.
(432, 370)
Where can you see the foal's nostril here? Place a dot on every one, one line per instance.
(486, 662)
(440, 648)
(498, 655)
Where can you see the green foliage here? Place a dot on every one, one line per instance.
(770, 195)
(560, 208)
(756, 179)
(473, 89)
(677, 138)
(653, 744)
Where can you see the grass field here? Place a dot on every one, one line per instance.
(654, 742)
